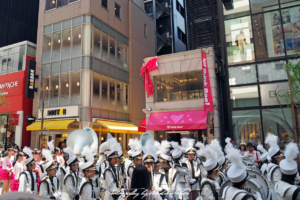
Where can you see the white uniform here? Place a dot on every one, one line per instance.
(49, 188)
(86, 191)
(182, 186)
(27, 182)
(127, 183)
(208, 189)
(274, 175)
(71, 186)
(286, 191)
(110, 183)
(96, 185)
(232, 193)
(194, 171)
(202, 171)
(129, 174)
(63, 172)
(221, 178)
(170, 175)
(103, 165)
(160, 183)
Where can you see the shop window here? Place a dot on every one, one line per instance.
(104, 3)
(288, 3)
(54, 90)
(247, 126)
(75, 88)
(76, 42)
(241, 8)
(50, 4)
(120, 52)
(262, 6)
(126, 98)
(96, 90)
(66, 44)
(55, 68)
(64, 89)
(31, 51)
(112, 94)
(274, 94)
(117, 11)
(246, 96)
(126, 56)
(268, 36)
(46, 48)
(242, 75)
(239, 41)
(7, 132)
(272, 71)
(112, 51)
(61, 3)
(56, 46)
(105, 47)
(181, 86)
(46, 70)
(120, 96)
(104, 92)
(97, 43)
(280, 123)
(44, 95)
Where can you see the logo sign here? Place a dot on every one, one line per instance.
(14, 119)
(9, 85)
(30, 119)
(57, 112)
(208, 102)
(30, 82)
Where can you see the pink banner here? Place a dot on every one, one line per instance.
(178, 120)
(14, 119)
(150, 66)
(208, 102)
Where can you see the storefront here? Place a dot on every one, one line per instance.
(13, 77)
(183, 97)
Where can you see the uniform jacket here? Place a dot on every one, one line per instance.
(28, 182)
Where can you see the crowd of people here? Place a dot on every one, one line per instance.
(154, 170)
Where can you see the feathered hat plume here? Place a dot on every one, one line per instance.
(69, 151)
(47, 154)
(215, 145)
(87, 152)
(51, 145)
(164, 147)
(27, 151)
(291, 151)
(234, 156)
(272, 141)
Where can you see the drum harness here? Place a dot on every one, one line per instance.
(235, 194)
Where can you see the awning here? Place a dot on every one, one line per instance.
(119, 127)
(142, 126)
(177, 120)
(50, 125)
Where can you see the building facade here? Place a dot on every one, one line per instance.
(258, 38)
(176, 109)
(89, 55)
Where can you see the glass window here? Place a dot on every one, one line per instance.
(288, 3)
(112, 52)
(112, 93)
(9, 61)
(66, 42)
(242, 75)
(178, 86)
(120, 51)
(126, 97)
(117, 10)
(64, 89)
(247, 126)
(77, 21)
(262, 6)
(71, 1)
(87, 43)
(268, 36)
(75, 88)
(240, 8)
(270, 92)
(3, 60)
(48, 29)
(55, 68)
(97, 43)
(56, 46)
(239, 40)
(57, 26)
(105, 47)
(280, 123)
(19, 58)
(272, 71)
(54, 90)
(120, 96)
(61, 3)
(31, 51)
(45, 91)
(46, 70)
(126, 56)
(104, 3)
(76, 63)
(50, 4)
(65, 66)
(66, 23)
(246, 96)
(76, 48)
(104, 100)
(46, 48)
(96, 90)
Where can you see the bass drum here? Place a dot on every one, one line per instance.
(252, 185)
(248, 160)
(254, 175)
(254, 168)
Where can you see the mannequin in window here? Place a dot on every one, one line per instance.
(254, 135)
(240, 41)
(270, 131)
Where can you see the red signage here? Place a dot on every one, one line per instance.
(208, 102)
(14, 119)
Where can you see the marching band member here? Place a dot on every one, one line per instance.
(7, 174)
(239, 178)
(96, 179)
(274, 173)
(128, 162)
(183, 180)
(17, 169)
(86, 190)
(222, 161)
(50, 187)
(201, 154)
(193, 167)
(27, 179)
(111, 182)
(71, 182)
(209, 186)
(184, 145)
(286, 188)
(38, 163)
(265, 157)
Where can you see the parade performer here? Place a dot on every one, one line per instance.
(38, 163)
(265, 157)
(17, 170)
(49, 187)
(239, 178)
(71, 182)
(286, 188)
(274, 173)
(184, 179)
(193, 167)
(96, 180)
(7, 174)
(58, 157)
(222, 161)
(27, 179)
(209, 186)
(201, 154)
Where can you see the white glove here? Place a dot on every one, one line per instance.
(257, 196)
(192, 181)
(57, 195)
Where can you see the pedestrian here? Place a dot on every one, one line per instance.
(242, 148)
(7, 174)
(254, 154)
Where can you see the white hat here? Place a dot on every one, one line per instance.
(150, 152)
(28, 152)
(236, 173)
(114, 147)
(50, 164)
(211, 163)
(200, 152)
(274, 150)
(136, 149)
(104, 146)
(88, 153)
(157, 147)
(265, 155)
(218, 149)
(88, 166)
(184, 144)
(288, 166)
(72, 157)
(164, 151)
(177, 152)
(190, 149)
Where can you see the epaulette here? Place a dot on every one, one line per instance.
(158, 172)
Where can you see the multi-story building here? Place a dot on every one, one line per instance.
(258, 38)
(89, 55)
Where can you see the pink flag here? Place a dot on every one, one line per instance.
(208, 102)
(150, 66)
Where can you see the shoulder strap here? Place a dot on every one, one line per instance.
(161, 179)
(42, 169)
(174, 176)
(295, 194)
(62, 169)
(207, 183)
(69, 175)
(246, 197)
(225, 192)
(57, 183)
(25, 176)
(273, 170)
(48, 187)
(84, 184)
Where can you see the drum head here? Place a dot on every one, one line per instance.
(248, 160)
(259, 179)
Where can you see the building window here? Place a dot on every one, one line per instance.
(180, 9)
(178, 86)
(96, 90)
(246, 96)
(272, 71)
(52, 4)
(112, 93)
(112, 51)
(181, 36)
(104, 3)
(118, 11)
(145, 30)
(46, 48)
(266, 6)
(54, 90)
(64, 89)
(104, 92)
(241, 8)
(274, 94)
(242, 75)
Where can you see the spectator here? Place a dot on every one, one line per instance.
(233, 143)
(242, 148)
(254, 154)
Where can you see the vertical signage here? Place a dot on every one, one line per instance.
(30, 81)
(14, 119)
(208, 102)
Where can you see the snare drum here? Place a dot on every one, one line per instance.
(260, 180)
(252, 185)
(248, 160)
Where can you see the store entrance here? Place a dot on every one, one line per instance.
(174, 137)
